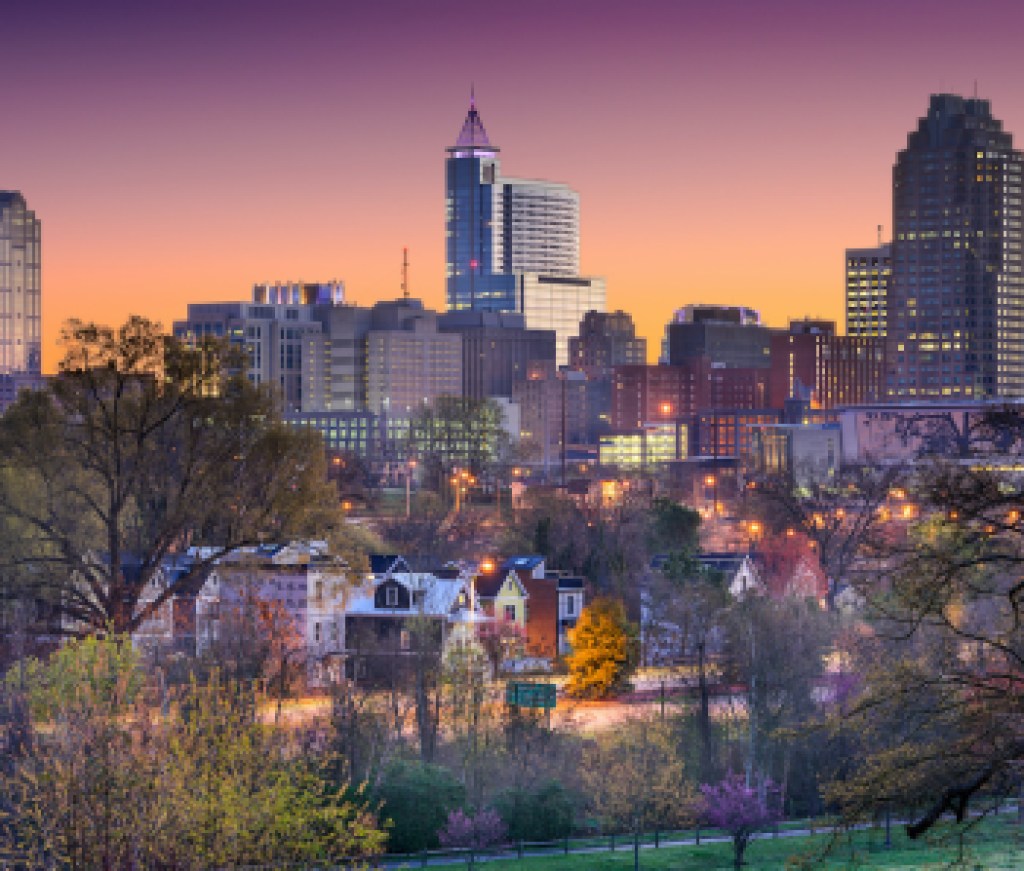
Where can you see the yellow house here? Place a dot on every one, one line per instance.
(503, 595)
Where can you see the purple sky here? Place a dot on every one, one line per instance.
(724, 152)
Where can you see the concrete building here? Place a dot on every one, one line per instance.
(606, 340)
(647, 394)
(280, 330)
(730, 337)
(956, 295)
(867, 286)
(409, 363)
(556, 413)
(20, 297)
(497, 350)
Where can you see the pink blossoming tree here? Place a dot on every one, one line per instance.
(740, 810)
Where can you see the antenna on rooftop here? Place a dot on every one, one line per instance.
(405, 273)
(879, 235)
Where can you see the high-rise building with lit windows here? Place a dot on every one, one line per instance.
(20, 300)
(512, 244)
(867, 285)
(20, 316)
(955, 304)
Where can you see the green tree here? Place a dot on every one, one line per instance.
(456, 431)
(416, 798)
(541, 814)
(140, 447)
(107, 782)
(636, 779)
(603, 647)
(674, 527)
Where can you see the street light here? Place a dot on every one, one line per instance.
(408, 487)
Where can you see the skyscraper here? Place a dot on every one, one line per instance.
(867, 286)
(513, 245)
(956, 293)
(20, 313)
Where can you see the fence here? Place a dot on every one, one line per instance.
(649, 840)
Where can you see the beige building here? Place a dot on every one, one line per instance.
(558, 302)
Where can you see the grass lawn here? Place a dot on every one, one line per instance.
(994, 844)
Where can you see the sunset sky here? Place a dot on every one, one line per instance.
(724, 152)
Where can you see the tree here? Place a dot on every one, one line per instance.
(943, 659)
(691, 602)
(777, 649)
(603, 650)
(417, 798)
(473, 832)
(636, 778)
(674, 527)
(139, 448)
(456, 431)
(541, 814)
(107, 782)
(740, 810)
(841, 519)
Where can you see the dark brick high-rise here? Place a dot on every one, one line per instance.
(956, 295)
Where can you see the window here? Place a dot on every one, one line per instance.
(316, 632)
(570, 605)
(391, 597)
(510, 613)
(403, 639)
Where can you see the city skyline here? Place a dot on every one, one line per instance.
(180, 153)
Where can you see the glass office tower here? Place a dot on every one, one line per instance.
(956, 294)
(473, 223)
(20, 304)
(496, 227)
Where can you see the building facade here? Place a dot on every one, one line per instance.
(558, 303)
(811, 363)
(409, 363)
(731, 337)
(497, 350)
(20, 296)
(956, 293)
(867, 285)
(512, 245)
(606, 340)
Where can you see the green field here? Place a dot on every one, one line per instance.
(993, 844)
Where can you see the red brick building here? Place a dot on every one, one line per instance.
(654, 394)
(811, 362)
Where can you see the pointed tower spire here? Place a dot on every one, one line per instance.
(473, 134)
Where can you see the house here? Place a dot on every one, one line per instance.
(501, 593)
(543, 605)
(571, 599)
(299, 591)
(398, 617)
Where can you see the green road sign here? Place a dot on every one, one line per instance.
(530, 695)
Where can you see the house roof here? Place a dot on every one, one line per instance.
(522, 562)
(440, 595)
(383, 563)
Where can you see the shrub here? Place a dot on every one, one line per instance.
(416, 797)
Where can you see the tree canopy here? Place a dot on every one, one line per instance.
(941, 666)
(602, 650)
(138, 449)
